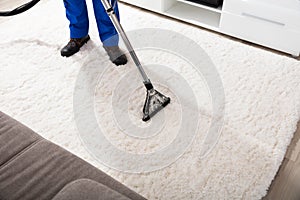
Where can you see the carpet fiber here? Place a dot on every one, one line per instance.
(262, 93)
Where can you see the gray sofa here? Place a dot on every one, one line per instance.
(32, 167)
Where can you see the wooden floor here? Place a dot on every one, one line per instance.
(286, 185)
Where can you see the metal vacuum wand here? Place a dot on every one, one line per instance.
(110, 11)
(155, 101)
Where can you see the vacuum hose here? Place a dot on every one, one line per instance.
(19, 9)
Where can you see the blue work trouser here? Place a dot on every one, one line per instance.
(76, 11)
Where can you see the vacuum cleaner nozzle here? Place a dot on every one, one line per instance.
(155, 101)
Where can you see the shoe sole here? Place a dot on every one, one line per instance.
(84, 42)
(118, 64)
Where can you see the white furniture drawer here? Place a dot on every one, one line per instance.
(154, 5)
(281, 4)
(271, 10)
(262, 31)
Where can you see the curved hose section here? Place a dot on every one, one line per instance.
(19, 9)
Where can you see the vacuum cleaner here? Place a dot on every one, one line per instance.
(155, 101)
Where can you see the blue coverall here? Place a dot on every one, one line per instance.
(76, 12)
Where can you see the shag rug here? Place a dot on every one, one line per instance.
(261, 100)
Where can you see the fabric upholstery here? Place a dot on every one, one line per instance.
(86, 189)
(14, 138)
(35, 168)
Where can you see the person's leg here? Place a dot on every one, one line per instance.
(107, 32)
(76, 12)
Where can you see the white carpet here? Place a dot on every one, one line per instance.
(262, 93)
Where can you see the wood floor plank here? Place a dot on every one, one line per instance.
(294, 148)
(286, 185)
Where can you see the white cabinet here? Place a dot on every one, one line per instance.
(262, 31)
(156, 6)
(271, 23)
(263, 22)
(194, 13)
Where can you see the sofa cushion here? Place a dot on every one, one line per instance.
(14, 138)
(39, 169)
(86, 189)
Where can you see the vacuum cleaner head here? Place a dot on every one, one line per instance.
(155, 101)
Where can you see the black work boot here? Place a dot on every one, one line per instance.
(116, 55)
(74, 46)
